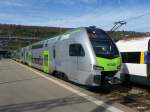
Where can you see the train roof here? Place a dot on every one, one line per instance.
(134, 45)
(57, 37)
(65, 35)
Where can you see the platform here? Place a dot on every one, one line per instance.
(24, 89)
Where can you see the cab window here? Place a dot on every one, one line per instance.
(76, 50)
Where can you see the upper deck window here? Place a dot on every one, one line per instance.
(37, 46)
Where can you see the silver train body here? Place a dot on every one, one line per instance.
(136, 59)
(86, 56)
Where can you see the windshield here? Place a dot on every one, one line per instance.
(102, 44)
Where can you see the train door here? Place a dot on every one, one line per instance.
(46, 61)
(30, 58)
(148, 60)
(83, 66)
(24, 55)
(54, 56)
(72, 63)
(82, 60)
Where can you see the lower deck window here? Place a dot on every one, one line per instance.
(38, 61)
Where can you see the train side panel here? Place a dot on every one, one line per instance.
(77, 68)
(136, 58)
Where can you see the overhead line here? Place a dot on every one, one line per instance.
(137, 17)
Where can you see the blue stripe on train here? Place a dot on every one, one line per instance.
(146, 57)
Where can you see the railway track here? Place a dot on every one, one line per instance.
(134, 96)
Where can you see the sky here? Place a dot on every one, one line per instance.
(76, 13)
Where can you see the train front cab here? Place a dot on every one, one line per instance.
(108, 59)
(85, 60)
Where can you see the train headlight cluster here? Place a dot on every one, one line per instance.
(95, 67)
(119, 67)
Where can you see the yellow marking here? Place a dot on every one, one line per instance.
(142, 58)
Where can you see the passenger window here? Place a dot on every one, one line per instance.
(147, 58)
(131, 57)
(54, 53)
(76, 50)
(37, 46)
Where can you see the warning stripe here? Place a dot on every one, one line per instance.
(142, 58)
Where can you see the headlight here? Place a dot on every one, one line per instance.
(119, 67)
(95, 67)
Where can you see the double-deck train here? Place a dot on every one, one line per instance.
(87, 56)
(136, 59)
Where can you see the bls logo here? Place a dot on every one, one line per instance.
(111, 64)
